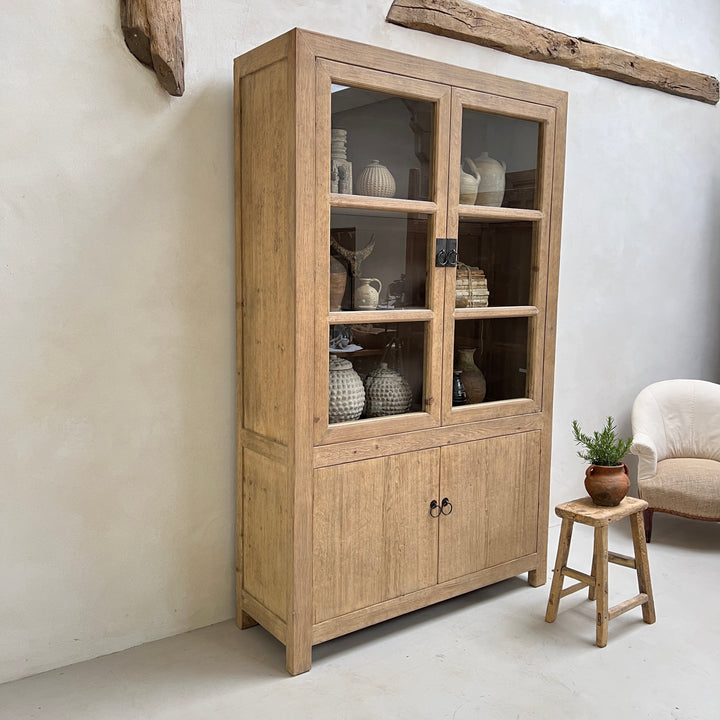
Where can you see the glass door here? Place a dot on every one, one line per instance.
(499, 206)
(381, 170)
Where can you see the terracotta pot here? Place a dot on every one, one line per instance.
(607, 485)
(338, 281)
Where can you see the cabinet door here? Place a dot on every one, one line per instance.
(496, 299)
(381, 190)
(493, 488)
(373, 536)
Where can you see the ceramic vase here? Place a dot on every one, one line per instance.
(472, 377)
(366, 297)
(346, 396)
(386, 392)
(469, 182)
(340, 166)
(607, 485)
(338, 281)
(491, 188)
(376, 180)
(459, 396)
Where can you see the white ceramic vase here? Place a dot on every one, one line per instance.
(366, 297)
(376, 180)
(469, 183)
(491, 188)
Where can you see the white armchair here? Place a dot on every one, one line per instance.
(676, 436)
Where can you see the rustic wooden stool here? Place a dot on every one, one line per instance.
(586, 512)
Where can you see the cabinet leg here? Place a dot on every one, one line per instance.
(537, 577)
(245, 621)
(298, 659)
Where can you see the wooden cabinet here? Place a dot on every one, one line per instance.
(348, 174)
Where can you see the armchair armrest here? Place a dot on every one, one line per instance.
(644, 447)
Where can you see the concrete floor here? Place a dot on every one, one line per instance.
(485, 655)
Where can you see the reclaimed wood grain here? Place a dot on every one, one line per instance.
(473, 23)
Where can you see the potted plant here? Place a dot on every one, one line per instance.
(606, 480)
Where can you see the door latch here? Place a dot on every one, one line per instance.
(446, 252)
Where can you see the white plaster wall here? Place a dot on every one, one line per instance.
(117, 289)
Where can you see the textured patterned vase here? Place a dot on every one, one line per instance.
(492, 181)
(375, 180)
(346, 397)
(607, 485)
(387, 392)
(472, 377)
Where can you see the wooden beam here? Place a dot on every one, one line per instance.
(465, 21)
(153, 34)
(136, 30)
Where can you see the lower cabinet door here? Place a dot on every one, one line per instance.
(373, 536)
(492, 486)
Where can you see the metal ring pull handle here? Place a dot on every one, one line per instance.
(435, 509)
(446, 507)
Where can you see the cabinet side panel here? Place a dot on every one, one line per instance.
(265, 531)
(266, 232)
(373, 536)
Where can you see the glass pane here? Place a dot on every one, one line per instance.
(375, 370)
(502, 152)
(494, 264)
(378, 261)
(381, 145)
(492, 359)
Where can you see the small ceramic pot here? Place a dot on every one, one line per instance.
(607, 485)
(375, 180)
(366, 297)
(491, 188)
(469, 182)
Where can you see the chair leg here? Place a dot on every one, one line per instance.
(648, 518)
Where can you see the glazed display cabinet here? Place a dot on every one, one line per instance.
(398, 236)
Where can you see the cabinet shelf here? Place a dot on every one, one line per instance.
(368, 202)
(498, 214)
(487, 313)
(357, 317)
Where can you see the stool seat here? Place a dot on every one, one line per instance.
(584, 511)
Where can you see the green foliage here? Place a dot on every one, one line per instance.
(604, 447)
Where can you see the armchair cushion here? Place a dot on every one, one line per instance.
(684, 486)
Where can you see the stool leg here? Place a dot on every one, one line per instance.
(642, 566)
(593, 573)
(600, 562)
(560, 563)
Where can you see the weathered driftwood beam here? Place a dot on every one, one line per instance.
(479, 25)
(153, 34)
